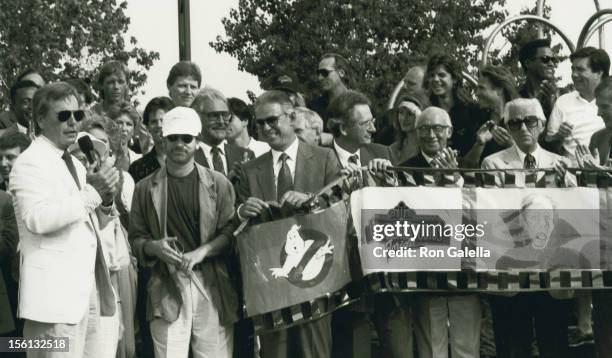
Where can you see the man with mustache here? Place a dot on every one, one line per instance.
(213, 149)
(192, 303)
(286, 174)
(574, 117)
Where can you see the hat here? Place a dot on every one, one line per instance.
(98, 145)
(418, 98)
(282, 81)
(181, 120)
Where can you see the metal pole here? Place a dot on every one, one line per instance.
(602, 39)
(540, 13)
(184, 30)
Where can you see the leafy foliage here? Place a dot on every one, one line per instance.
(66, 39)
(381, 39)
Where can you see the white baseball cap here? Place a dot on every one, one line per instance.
(98, 145)
(181, 120)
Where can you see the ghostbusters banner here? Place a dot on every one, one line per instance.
(289, 262)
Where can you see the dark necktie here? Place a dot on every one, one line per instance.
(216, 159)
(530, 162)
(354, 159)
(284, 183)
(68, 160)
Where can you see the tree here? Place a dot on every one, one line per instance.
(378, 37)
(67, 39)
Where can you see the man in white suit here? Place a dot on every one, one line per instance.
(513, 316)
(64, 285)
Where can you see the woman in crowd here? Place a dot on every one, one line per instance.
(404, 126)
(125, 119)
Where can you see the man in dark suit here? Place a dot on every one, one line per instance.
(8, 249)
(213, 150)
(288, 174)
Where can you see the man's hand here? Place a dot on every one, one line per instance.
(163, 251)
(565, 130)
(105, 181)
(379, 165)
(193, 258)
(548, 89)
(252, 207)
(352, 170)
(483, 134)
(585, 159)
(501, 136)
(294, 198)
(446, 158)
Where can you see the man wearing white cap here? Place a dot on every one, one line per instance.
(180, 226)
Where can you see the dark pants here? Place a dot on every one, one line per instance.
(351, 334)
(309, 340)
(513, 324)
(602, 322)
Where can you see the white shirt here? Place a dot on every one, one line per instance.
(344, 155)
(536, 154)
(258, 147)
(291, 151)
(579, 112)
(207, 149)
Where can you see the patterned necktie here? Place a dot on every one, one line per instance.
(358, 180)
(71, 168)
(217, 161)
(285, 182)
(530, 162)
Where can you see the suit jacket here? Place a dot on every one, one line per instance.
(233, 155)
(60, 253)
(148, 222)
(601, 140)
(509, 159)
(315, 167)
(8, 247)
(417, 161)
(373, 151)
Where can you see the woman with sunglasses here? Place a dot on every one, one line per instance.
(444, 84)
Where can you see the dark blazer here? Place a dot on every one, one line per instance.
(372, 151)
(601, 141)
(145, 166)
(233, 155)
(417, 161)
(8, 247)
(148, 222)
(315, 167)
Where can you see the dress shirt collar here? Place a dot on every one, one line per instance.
(428, 159)
(208, 149)
(344, 155)
(535, 153)
(291, 151)
(582, 99)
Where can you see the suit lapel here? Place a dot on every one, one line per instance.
(208, 197)
(265, 178)
(303, 169)
(200, 158)
(159, 196)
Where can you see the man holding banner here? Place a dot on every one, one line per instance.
(184, 207)
(513, 331)
(285, 176)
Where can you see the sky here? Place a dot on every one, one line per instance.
(154, 23)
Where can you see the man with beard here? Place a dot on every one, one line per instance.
(286, 174)
(574, 117)
(180, 226)
(152, 119)
(213, 150)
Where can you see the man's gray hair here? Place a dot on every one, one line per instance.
(523, 107)
(207, 94)
(434, 112)
(311, 117)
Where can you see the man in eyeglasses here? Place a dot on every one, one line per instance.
(333, 76)
(64, 283)
(180, 226)
(213, 150)
(574, 117)
(539, 64)
(287, 174)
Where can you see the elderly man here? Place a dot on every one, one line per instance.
(308, 126)
(183, 82)
(440, 318)
(574, 117)
(180, 225)
(64, 284)
(285, 175)
(213, 149)
(513, 316)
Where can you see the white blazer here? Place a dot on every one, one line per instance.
(57, 241)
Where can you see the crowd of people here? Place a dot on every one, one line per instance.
(117, 228)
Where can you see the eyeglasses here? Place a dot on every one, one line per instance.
(324, 72)
(436, 129)
(548, 59)
(271, 121)
(219, 116)
(185, 138)
(516, 123)
(63, 116)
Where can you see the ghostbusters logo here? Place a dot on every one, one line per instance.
(306, 258)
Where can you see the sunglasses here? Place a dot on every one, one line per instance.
(548, 59)
(63, 116)
(186, 138)
(270, 121)
(324, 72)
(516, 123)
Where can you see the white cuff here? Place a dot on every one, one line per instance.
(91, 199)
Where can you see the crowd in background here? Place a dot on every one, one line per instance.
(117, 227)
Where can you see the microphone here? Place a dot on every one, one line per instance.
(87, 147)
